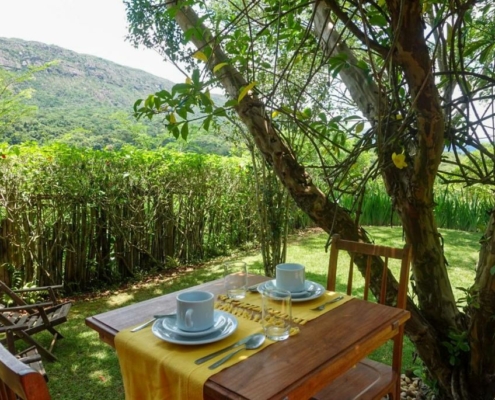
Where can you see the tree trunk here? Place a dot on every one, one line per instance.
(411, 188)
(482, 322)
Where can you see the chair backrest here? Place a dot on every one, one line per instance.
(367, 252)
(19, 381)
(16, 296)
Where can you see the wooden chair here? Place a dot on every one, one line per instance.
(19, 381)
(370, 379)
(29, 356)
(24, 320)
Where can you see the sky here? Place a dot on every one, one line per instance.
(94, 27)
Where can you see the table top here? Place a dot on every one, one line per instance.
(295, 368)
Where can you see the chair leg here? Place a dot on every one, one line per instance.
(33, 342)
(52, 344)
(56, 333)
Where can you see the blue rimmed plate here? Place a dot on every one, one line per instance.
(219, 320)
(312, 290)
(227, 329)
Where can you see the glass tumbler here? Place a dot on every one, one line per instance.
(276, 313)
(235, 279)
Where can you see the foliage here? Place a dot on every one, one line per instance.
(86, 217)
(457, 207)
(13, 107)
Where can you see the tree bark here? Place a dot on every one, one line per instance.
(411, 189)
(482, 322)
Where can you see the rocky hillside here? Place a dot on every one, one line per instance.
(78, 78)
(82, 99)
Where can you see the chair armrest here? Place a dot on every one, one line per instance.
(49, 289)
(38, 288)
(26, 307)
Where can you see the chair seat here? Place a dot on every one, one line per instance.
(367, 380)
(32, 358)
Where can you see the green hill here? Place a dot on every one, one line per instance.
(87, 101)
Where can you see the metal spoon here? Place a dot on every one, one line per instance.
(253, 343)
(155, 317)
(322, 306)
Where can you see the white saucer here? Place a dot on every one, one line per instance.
(313, 290)
(226, 330)
(170, 325)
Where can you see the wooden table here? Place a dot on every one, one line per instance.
(292, 369)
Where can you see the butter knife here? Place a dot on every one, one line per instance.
(155, 317)
(216, 353)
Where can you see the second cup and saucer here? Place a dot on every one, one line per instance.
(291, 277)
(196, 322)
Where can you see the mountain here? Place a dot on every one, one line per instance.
(84, 100)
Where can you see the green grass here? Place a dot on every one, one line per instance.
(89, 369)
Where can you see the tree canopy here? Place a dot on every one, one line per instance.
(319, 84)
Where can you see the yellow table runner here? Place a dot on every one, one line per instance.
(153, 369)
(250, 306)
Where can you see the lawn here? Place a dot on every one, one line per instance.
(89, 369)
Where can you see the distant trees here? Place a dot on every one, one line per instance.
(14, 107)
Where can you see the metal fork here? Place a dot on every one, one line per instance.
(322, 306)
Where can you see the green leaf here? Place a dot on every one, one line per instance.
(181, 87)
(244, 91)
(220, 112)
(163, 94)
(199, 55)
(362, 65)
(474, 45)
(175, 131)
(359, 127)
(205, 99)
(137, 103)
(206, 122)
(486, 52)
(378, 20)
(307, 112)
(231, 103)
(158, 103)
(492, 271)
(184, 132)
(195, 76)
(218, 67)
(182, 112)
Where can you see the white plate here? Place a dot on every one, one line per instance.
(170, 325)
(226, 330)
(313, 290)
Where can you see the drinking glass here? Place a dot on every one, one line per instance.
(235, 279)
(276, 313)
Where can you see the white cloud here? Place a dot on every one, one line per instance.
(95, 27)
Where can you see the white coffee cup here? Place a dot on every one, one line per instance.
(290, 276)
(195, 310)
